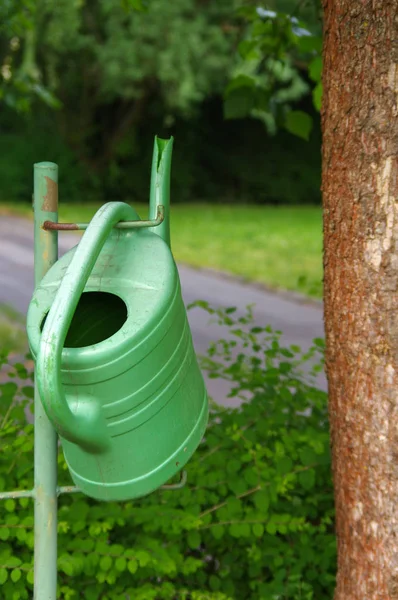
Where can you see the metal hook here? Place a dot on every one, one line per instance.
(52, 226)
(176, 486)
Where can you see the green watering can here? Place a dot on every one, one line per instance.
(115, 364)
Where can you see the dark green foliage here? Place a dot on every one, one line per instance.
(255, 520)
(238, 163)
(16, 16)
(241, 163)
(31, 140)
(279, 64)
(88, 85)
(131, 65)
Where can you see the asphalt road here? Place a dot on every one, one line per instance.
(300, 321)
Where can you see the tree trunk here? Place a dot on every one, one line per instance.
(360, 190)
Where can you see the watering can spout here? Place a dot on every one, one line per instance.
(160, 185)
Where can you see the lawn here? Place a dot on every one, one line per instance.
(280, 247)
(12, 330)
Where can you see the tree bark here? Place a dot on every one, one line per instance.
(360, 192)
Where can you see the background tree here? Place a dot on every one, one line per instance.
(91, 82)
(360, 188)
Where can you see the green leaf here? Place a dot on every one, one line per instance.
(317, 96)
(307, 456)
(295, 348)
(105, 563)
(139, 5)
(248, 50)
(65, 565)
(315, 69)
(256, 330)
(310, 43)
(235, 530)
(194, 539)
(237, 485)
(233, 506)
(241, 81)
(271, 528)
(142, 557)
(21, 534)
(249, 12)
(30, 577)
(16, 575)
(14, 561)
(286, 394)
(251, 476)
(286, 353)
(217, 531)
(3, 576)
(238, 103)
(307, 479)
(299, 123)
(214, 582)
(4, 533)
(28, 390)
(101, 576)
(21, 370)
(261, 500)
(8, 390)
(258, 529)
(132, 566)
(245, 529)
(9, 505)
(284, 465)
(120, 564)
(233, 466)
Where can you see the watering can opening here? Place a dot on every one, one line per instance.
(98, 316)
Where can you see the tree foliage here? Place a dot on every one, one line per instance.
(280, 61)
(110, 67)
(91, 82)
(18, 86)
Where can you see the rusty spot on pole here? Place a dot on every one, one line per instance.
(51, 226)
(50, 200)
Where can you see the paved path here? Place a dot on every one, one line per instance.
(299, 321)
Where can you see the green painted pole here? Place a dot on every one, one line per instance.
(45, 206)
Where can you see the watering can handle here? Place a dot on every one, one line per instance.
(85, 426)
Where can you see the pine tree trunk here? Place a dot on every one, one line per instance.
(360, 190)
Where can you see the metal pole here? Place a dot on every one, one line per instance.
(45, 205)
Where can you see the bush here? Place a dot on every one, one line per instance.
(30, 140)
(255, 520)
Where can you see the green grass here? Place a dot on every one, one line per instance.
(280, 247)
(12, 330)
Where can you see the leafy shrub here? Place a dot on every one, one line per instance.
(29, 140)
(255, 520)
